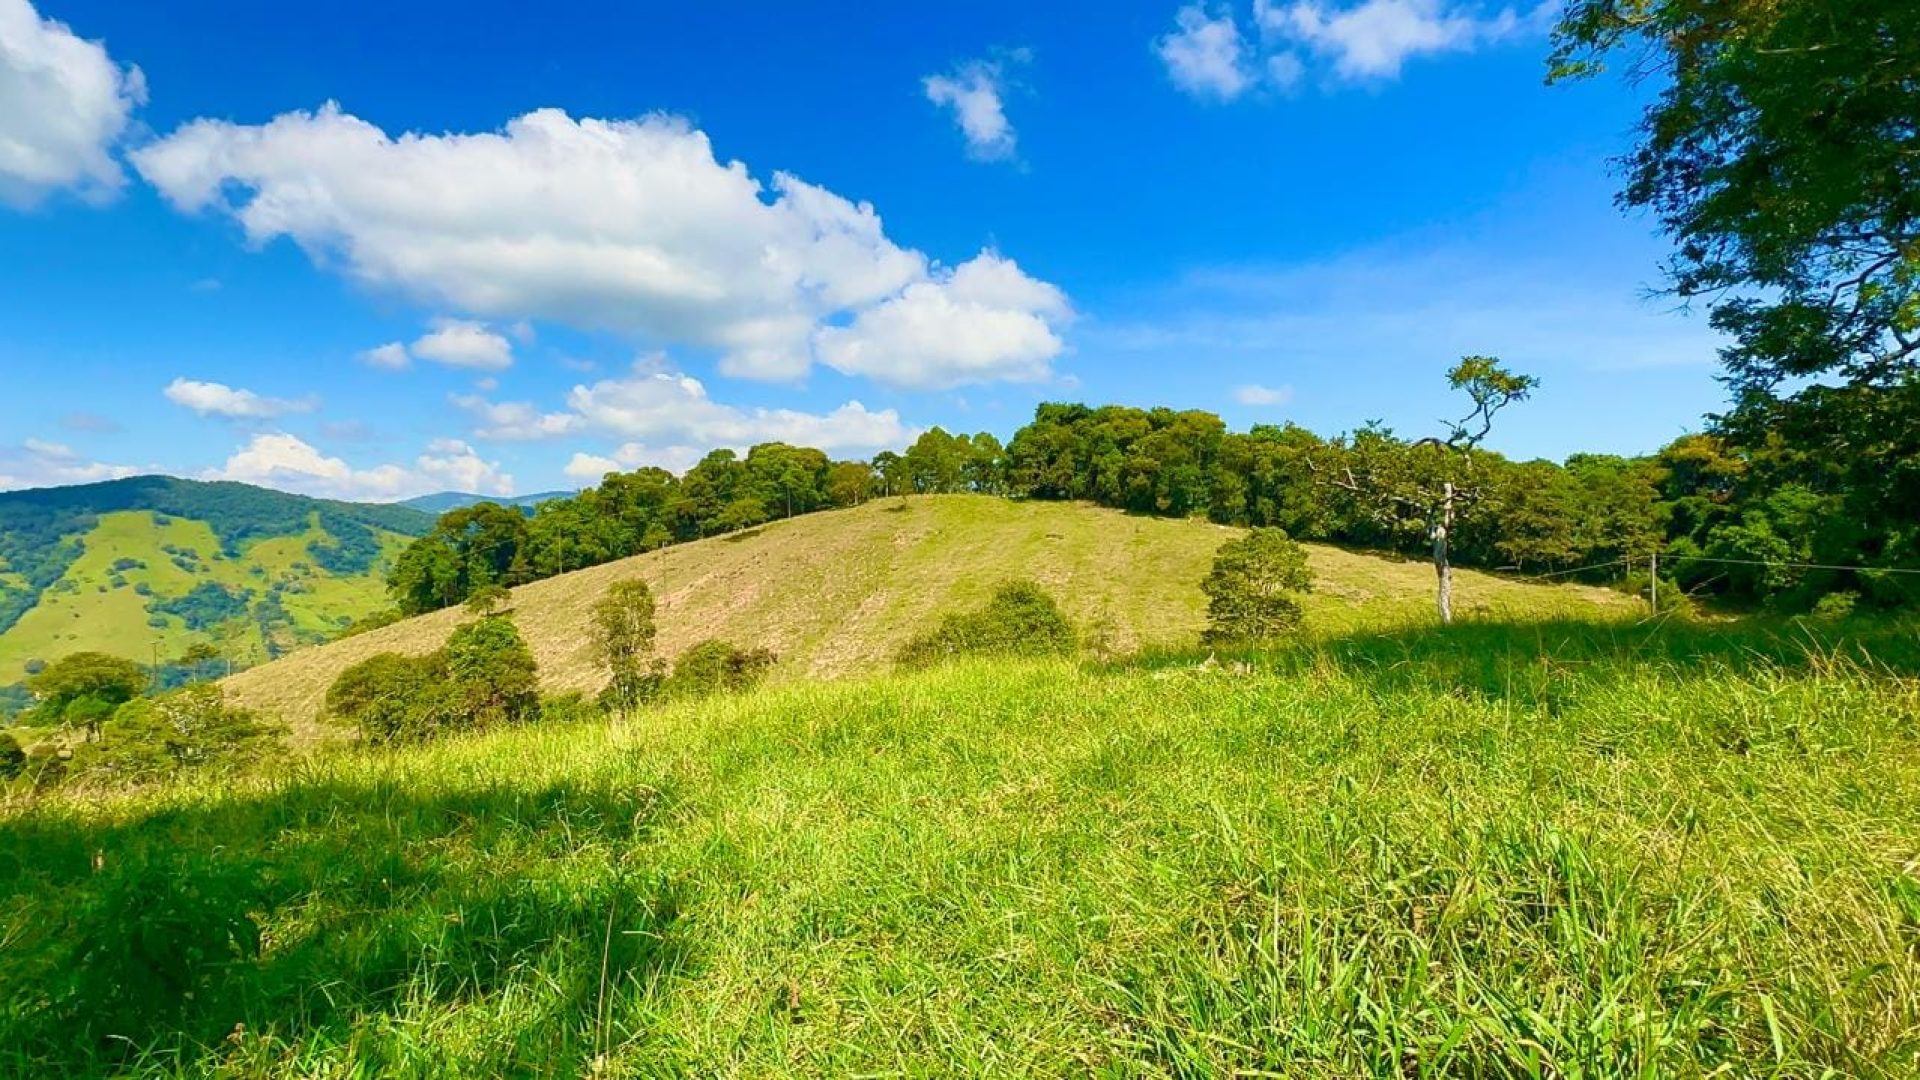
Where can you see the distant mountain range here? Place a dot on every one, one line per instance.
(443, 501)
(145, 566)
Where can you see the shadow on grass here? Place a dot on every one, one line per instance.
(1500, 658)
(309, 911)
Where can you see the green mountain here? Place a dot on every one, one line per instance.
(146, 566)
(442, 501)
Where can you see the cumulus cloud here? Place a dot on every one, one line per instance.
(666, 408)
(1374, 39)
(1255, 394)
(1205, 54)
(986, 321)
(392, 356)
(1208, 55)
(590, 468)
(289, 463)
(463, 343)
(514, 421)
(975, 93)
(628, 225)
(38, 463)
(64, 103)
(219, 399)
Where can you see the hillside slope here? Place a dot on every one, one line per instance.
(151, 564)
(838, 592)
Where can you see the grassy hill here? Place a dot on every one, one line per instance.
(838, 592)
(155, 563)
(1613, 849)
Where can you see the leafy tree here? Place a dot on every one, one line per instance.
(715, 666)
(1253, 591)
(624, 631)
(82, 689)
(850, 483)
(1432, 482)
(494, 678)
(1020, 619)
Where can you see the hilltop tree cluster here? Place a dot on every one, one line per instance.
(1706, 496)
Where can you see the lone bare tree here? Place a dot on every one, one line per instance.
(1429, 483)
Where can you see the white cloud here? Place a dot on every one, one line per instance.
(589, 468)
(975, 92)
(1205, 54)
(38, 463)
(464, 343)
(392, 356)
(628, 225)
(1372, 40)
(986, 321)
(514, 421)
(657, 407)
(63, 105)
(219, 399)
(1257, 395)
(286, 462)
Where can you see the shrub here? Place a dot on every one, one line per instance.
(714, 666)
(12, 759)
(1019, 620)
(373, 621)
(494, 677)
(393, 698)
(1253, 591)
(1835, 606)
(193, 727)
(572, 708)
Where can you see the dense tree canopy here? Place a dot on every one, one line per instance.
(1706, 495)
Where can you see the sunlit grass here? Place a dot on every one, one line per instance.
(1544, 850)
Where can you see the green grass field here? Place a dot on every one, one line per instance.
(1506, 849)
(95, 607)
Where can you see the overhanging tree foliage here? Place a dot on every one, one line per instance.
(1783, 158)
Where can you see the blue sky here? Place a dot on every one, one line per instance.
(386, 249)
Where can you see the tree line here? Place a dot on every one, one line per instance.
(1729, 517)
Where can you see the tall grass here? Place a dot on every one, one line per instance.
(1499, 851)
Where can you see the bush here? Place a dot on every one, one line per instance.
(573, 708)
(713, 667)
(194, 727)
(393, 698)
(373, 621)
(1835, 606)
(494, 677)
(12, 759)
(1019, 620)
(1253, 591)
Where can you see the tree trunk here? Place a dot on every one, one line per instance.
(1443, 570)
